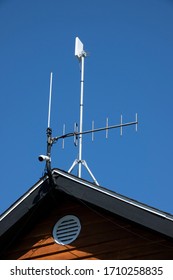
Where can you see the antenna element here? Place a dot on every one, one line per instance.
(50, 98)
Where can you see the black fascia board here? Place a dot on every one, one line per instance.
(125, 207)
(99, 196)
(24, 204)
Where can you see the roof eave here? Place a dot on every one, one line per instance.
(120, 205)
(81, 189)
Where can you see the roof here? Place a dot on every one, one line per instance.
(123, 206)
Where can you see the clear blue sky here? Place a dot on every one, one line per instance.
(129, 70)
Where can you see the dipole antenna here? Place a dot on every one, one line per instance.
(50, 100)
(47, 157)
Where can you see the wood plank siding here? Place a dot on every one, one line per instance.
(103, 235)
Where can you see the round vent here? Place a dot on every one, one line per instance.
(66, 230)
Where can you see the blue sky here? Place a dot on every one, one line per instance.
(129, 70)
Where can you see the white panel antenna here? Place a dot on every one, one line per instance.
(78, 48)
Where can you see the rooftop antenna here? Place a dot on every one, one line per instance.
(77, 134)
(47, 157)
(50, 100)
(81, 54)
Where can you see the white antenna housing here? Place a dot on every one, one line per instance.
(78, 48)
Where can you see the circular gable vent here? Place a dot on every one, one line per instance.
(66, 230)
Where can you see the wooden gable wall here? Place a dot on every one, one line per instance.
(103, 235)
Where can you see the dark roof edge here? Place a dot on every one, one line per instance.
(22, 198)
(120, 197)
(99, 196)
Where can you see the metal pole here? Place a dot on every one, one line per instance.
(50, 96)
(81, 117)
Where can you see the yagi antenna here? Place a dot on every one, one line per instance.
(78, 131)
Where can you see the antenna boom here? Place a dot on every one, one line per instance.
(94, 130)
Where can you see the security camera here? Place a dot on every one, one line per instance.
(43, 157)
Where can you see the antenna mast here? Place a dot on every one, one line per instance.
(81, 115)
(81, 54)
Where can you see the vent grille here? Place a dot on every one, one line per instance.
(66, 230)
